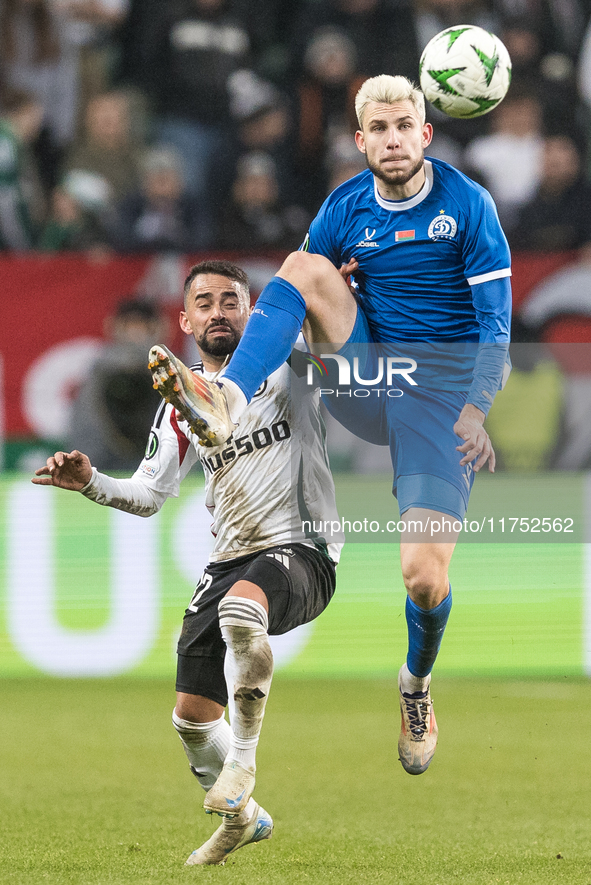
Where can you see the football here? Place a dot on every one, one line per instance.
(465, 71)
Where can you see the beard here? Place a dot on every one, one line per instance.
(219, 347)
(398, 176)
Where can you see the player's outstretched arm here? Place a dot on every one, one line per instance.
(65, 470)
(477, 442)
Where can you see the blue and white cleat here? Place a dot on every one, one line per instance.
(231, 792)
(250, 826)
(418, 730)
(202, 403)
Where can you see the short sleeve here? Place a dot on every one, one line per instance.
(485, 249)
(321, 238)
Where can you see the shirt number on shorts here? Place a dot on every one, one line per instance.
(203, 584)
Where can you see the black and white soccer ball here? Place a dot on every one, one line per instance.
(465, 71)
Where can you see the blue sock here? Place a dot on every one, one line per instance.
(425, 632)
(269, 337)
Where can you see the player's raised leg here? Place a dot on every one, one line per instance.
(308, 291)
(425, 572)
(243, 615)
(200, 402)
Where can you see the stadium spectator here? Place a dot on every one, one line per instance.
(200, 44)
(22, 203)
(264, 120)
(256, 218)
(508, 160)
(115, 404)
(35, 55)
(550, 73)
(269, 24)
(160, 215)
(382, 33)
(324, 99)
(558, 24)
(90, 26)
(433, 16)
(107, 149)
(558, 217)
(135, 41)
(78, 217)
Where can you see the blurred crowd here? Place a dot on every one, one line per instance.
(175, 126)
(140, 125)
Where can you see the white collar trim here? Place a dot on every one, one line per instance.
(403, 205)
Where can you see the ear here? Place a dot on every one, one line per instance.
(360, 141)
(184, 323)
(427, 134)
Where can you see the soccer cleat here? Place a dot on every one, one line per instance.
(201, 402)
(231, 792)
(234, 833)
(418, 731)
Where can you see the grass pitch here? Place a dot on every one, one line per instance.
(95, 790)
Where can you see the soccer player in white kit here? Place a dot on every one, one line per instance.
(265, 575)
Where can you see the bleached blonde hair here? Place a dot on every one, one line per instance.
(388, 90)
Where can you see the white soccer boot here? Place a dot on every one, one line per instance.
(231, 792)
(418, 730)
(251, 825)
(201, 402)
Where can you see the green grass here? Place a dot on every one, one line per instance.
(517, 612)
(94, 788)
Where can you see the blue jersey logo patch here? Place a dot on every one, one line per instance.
(443, 226)
(368, 242)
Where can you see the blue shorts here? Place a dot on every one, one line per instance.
(416, 422)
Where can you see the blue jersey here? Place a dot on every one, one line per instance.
(421, 260)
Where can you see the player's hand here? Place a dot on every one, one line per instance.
(66, 471)
(477, 442)
(347, 269)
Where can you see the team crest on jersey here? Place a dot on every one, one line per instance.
(152, 446)
(368, 242)
(443, 227)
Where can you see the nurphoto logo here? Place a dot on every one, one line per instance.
(388, 370)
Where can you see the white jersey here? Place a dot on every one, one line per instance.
(269, 484)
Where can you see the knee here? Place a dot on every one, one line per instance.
(427, 584)
(195, 708)
(243, 622)
(307, 272)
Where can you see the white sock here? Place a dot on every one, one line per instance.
(410, 683)
(249, 671)
(235, 399)
(206, 745)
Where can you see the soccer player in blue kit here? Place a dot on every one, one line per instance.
(430, 264)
